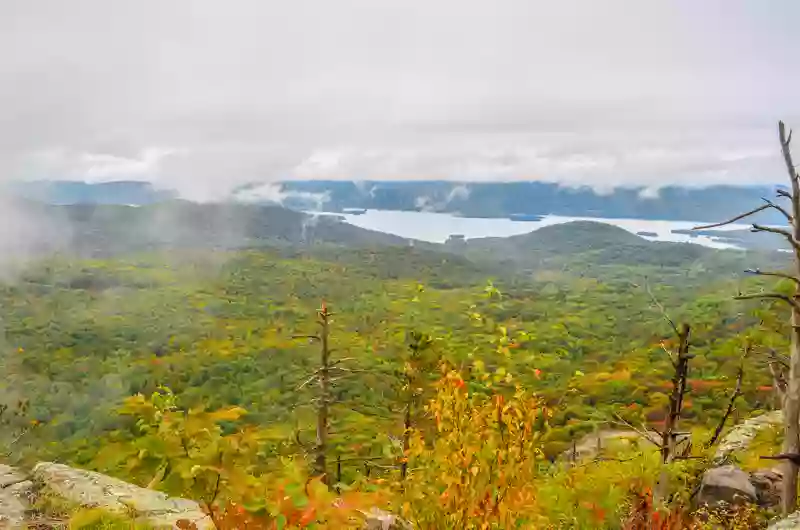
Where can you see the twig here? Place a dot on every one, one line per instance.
(734, 219)
(640, 432)
(775, 296)
(736, 393)
(604, 459)
(779, 208)
(759, 272)
(660, 308)
(780, 231)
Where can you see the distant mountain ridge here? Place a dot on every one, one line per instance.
(75, 192)
(504, 199)
(467, 199)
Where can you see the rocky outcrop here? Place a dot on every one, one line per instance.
(743, 434)
(94, 490)
(15, 491)
(88, 489)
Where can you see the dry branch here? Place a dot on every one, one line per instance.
(731, 402)
(779, 208)
(759, 272)
(774, 296)
(661, 308)
(734, 219)
(780, 231)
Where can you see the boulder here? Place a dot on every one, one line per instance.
(726, 484)
(94, 490)
(767, 483)
(15, 492)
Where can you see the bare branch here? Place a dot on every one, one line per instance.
(734, 219)
(783, 193)
(785, 233)
(307, 381)
(775, 296)
(309, 337)
(599, 460)
(342, 360)
(793, 457)
(759, 272)
(779, 208)
(669, 353)
(778, 358)
(787, 158)
(661, 308)
(736, 393)
(641, 432)
(16, 439)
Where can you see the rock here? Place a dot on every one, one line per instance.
(726, 484)
(10, 476)
(15, 492)
(381, 520)
(743, 434)
(767, 483)
(95, 490)
(790, 523)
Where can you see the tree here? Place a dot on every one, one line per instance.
(791, 398)
(325, 397)
(417, 365)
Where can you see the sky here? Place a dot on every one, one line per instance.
(205, 95)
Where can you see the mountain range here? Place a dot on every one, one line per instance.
(468, 199)
(504, 199)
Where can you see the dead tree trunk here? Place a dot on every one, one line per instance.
(321, 447)
(680, 373)
(406, 440)
(791, 401)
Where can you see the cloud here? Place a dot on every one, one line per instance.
(274, 193)
(205, 96)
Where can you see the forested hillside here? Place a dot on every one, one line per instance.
(102, 353)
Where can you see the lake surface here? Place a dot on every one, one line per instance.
(437, 227)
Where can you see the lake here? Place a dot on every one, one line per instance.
(437, 227)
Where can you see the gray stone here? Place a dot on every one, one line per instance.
(10, 475)
(743, 434)
(792, 522)
(95, 490)
(377, 519)
(726, 484)
(14, 499)
(767, 483)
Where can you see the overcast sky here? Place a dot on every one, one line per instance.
(204, 95)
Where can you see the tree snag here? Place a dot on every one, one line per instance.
(791, 395)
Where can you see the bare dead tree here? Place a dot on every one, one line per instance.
(680, 364)
(791, 400)
(680, 372)
(324, 398)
